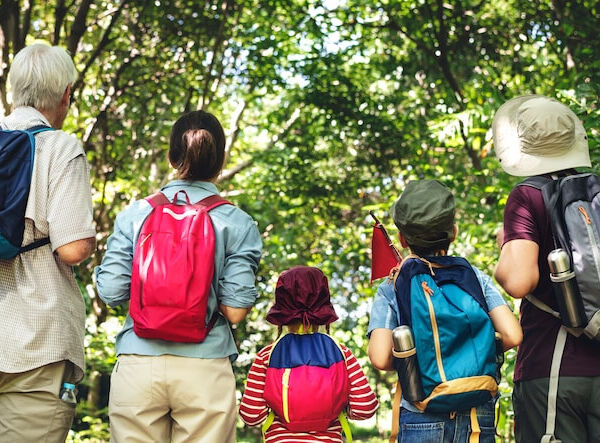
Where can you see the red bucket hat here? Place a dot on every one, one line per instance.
(302, 293)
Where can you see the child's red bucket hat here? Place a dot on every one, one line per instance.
(302, 293)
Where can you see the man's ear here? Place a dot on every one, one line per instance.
(455, 231)
(402, 240)
(66, 98)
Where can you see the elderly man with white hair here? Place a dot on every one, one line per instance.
(42, 313)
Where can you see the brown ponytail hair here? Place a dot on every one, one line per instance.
(197, 146)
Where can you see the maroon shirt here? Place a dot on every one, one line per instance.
(525, 218)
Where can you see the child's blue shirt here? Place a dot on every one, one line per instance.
(384, 312)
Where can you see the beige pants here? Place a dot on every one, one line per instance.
(169, 398)
(30, 410)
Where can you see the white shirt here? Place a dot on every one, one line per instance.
(42, 312)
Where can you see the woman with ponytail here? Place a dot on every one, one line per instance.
(163, 390)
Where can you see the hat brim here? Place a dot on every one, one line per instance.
(513, 161)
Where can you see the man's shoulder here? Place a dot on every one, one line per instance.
(525, 192)
(61, 143)
(64, 143)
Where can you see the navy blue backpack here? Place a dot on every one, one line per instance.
(17, 150)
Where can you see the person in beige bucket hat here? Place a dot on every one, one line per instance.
(538, 135)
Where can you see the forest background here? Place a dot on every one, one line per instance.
(330, 107)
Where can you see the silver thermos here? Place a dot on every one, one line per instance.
(407, 364)
(566, 290)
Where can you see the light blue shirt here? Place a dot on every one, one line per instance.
(384, 312)
(238, 248)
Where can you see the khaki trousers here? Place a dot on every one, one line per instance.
(30, 410)
(169, 398)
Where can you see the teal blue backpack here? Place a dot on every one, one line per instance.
(443, 304)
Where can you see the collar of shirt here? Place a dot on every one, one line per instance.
(25, 117)
(207, 186)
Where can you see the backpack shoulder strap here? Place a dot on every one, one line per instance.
(536, 181)
(553, 381)
(396, 413)
(157, 199)
(35, 244)
(335, 342)
(544, 307)
(275, 343)
(443, 270)
(345, 426)
(212, 201)
(458, 270)
(39, 128)
(410, 267)
(267, 424)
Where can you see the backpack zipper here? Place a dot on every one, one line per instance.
(285, 382)
(590, 231)
(428, 292)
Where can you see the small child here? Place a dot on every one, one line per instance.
(424, 216)
(304, 383)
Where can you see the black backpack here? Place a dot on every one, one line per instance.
(17, 151)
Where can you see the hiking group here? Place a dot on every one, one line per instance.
(184, 262)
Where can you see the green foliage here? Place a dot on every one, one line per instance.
(329, 107)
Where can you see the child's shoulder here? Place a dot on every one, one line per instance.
(265, 352)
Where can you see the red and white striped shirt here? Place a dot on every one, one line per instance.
(362, 402)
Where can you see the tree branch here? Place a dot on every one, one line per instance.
(442, 38)
(234, 129)
(104, 42)
(285, 129)
(24, 30)
(219, 39)
(60, 12)
(79, 25)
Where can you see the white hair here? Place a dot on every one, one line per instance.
(39, 76)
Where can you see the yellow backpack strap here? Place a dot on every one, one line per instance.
(345, 426)
(475, 429)
(267, 424)
(396, 413)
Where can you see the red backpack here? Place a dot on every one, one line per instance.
(307, 384)
(173, 266)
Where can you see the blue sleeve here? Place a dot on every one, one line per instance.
(113, 276)
(242, 254)
(492, 295)
(383, 311)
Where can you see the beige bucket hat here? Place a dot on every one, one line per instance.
(534, 134)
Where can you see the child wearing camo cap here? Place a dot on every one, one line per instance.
(424, 215)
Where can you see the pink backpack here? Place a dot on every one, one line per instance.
(173, 266)
(307, 383)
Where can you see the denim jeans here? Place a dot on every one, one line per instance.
(440, 428)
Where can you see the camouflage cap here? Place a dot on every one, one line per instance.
(424, 214)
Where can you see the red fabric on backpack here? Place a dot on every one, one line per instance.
(307, 384)
(173, 267)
